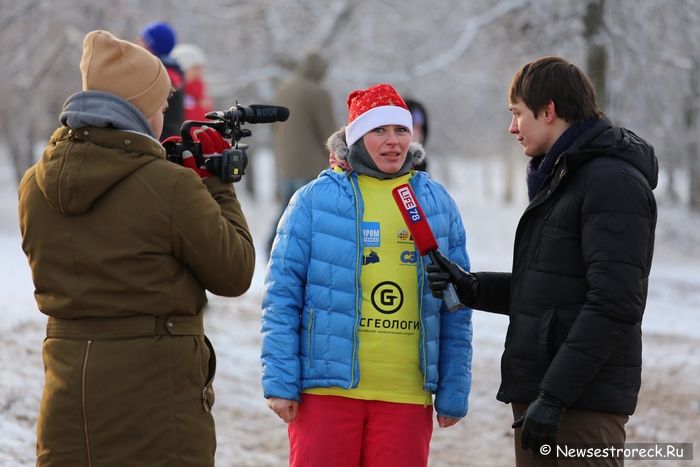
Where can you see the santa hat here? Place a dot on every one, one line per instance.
(373, 107)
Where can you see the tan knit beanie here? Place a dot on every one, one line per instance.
(127, 70)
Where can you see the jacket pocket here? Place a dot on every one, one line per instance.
(545, 345)
(528, 336)
(208, 388)
(558, 326)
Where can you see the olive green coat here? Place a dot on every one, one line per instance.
(118, 239)
(300, 142)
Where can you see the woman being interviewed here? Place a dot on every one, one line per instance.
(354, 344)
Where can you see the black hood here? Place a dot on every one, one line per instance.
(605, 140)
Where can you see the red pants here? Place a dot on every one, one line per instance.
(344, 432)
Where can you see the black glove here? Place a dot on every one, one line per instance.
(540, 423)
(447, 271)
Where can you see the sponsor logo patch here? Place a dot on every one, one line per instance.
(371, 234)
(404, 236)
(409, 257)
(371, 258)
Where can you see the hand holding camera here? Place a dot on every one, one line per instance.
(211, 144)
(202, 145)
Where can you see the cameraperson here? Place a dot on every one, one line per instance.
(122, 245)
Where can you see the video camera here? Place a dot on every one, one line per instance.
(229, 166)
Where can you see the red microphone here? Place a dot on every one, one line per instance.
(422, 234)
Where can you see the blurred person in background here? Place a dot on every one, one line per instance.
(196, 101)
(299, 143)
(160, 38)
(572, 363)
(123, 245)
(420, 128)
(354, 346)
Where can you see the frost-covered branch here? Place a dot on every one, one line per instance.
(471, 29)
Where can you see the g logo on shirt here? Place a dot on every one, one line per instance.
(387, 297)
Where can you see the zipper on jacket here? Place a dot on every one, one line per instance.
(309, 337)
(207, 390)
(423, 356)
(358, 287)
(421, 285)
(83, 397)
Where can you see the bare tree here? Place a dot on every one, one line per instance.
(596, 60)
(692, 122)
(652, 46)
(456, 57)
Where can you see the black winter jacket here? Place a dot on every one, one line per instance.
(175, 114)
(577, 291)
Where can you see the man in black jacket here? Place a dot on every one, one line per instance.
(571, 367)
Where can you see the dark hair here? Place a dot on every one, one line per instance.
(554, 79)
(418, 111)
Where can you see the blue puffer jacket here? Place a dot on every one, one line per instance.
(313, 296)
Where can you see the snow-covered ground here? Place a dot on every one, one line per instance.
(250, 435)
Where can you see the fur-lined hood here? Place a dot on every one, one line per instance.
(337, 146)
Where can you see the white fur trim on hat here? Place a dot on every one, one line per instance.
(376, 117)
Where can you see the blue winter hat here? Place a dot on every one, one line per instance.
(159, 37)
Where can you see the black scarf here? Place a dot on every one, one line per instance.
(540, 168)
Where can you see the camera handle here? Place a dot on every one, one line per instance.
(230, 166)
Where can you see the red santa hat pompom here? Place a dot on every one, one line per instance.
(373, 107)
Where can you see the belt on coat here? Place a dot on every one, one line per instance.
(122, 328)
